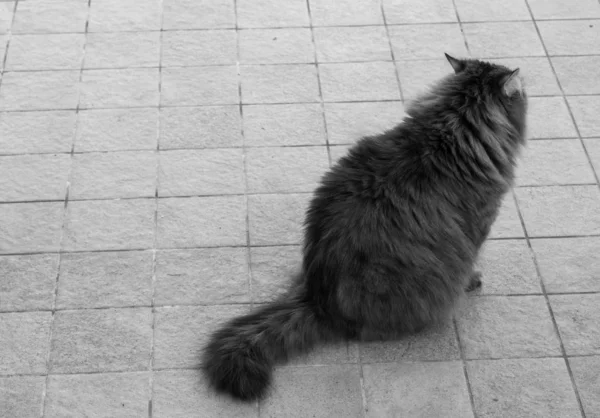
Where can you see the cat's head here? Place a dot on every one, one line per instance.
(483, 83)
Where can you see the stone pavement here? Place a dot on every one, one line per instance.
(156, 160)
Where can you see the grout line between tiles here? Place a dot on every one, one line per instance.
(462, 29)
(464, 366)
(7, 43)
(391, 46)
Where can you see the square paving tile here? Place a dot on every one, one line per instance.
(201, 172)
(101, 175)
(119, 395)
(539, 78)
(119, 88)
(276, 219)
(6, 15)
(559, 211)
(576, 318)
(556, 9)
(279, 83)
(568, 264)
(200, 127)
(199, 86)
(359, 82)
(201, 221)
(416, 11)
(117, 130)
(276, 46)
(416, 390)
(346, 12)
(592, 147)
(571, 37)
(270, 13)
(585, 111)
(427, 41)
(101, 340)
(122, 49)
(105, 279)
(508, 223)
(34, 177)
(21, 396)
(285, 169)
(185, 394)
(194, 48)
(587, 379)
(493, 327)
(478, 11)
(284, 125)
(522, 388)
(359, 43)
(198, 14)
(324, 391)
(27, 282)
(273, 269)
(47, 16)
(121, 15)
(578, 75)
(506, 39)
(24, 345)
(554, 162)
(45, 52)
(39, 90)
(548, 117)
(202, 276)
(417, 76)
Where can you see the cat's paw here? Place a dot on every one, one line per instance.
(474, 281)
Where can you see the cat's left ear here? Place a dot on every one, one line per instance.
(456, 64)
(511, 83)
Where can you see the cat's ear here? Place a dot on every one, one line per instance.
(456, 64)
(511, 83)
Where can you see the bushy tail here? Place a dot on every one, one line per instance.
(239, 357)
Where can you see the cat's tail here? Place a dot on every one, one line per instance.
(240, 356)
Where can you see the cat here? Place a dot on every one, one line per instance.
(392, 232)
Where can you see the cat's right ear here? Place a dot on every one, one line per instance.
(456, 64)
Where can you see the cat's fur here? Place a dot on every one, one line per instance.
(393, 231)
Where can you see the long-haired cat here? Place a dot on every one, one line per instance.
(393, 231)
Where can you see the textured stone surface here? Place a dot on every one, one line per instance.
(434, 343)
(269, 13)
(576, 316)
(364, 43)
(21, 396)
(101, 340)
(24, 343)
(198, 14)
(273, 270)
(271, 46)
(577, 75)
(348, 122)
(417, 11)
(201, 172)
(475, 10)
(416, 390)
(554, 162)
(200, 127)
(548, 117)
(556, 211)
(44, 16)
(185, 394)
(284, 125)
(417, 76)
(30, 227)
(587, 379)
(105, 279)
(34, 177)
(187, 48)
(346, 12)
(27, 282)
(199, 86)
(585, 111)
(45, 52)
(201, 221)
(505, 327)
(522, 388)
(359, 82)
(181, 332)
(6, 15)
(427, 41)
(289, 169)
(537, 73)
(573, 37)
(508, 268)
(39, 90)
(276, 219)
(122, 49)
(328, 353)
(324, 391)
(202, 276)
(279, 83)
(118, 15)
(119, 88)
(113, 175)
(569, 264)
(109, 224)
(118, 395)
(592, 147)
(556, 9)
(32, 132)
(508, 224)
(117, 130)
(510, 39)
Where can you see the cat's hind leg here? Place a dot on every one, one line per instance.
(474, 281)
